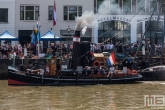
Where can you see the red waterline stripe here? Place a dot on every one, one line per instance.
(10, 81)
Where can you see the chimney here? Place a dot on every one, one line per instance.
(75, 53)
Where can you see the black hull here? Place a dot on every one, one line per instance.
(15, 78)
(153, 75)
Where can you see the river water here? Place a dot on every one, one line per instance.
(95, 97)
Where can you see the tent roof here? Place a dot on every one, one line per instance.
(49, 36)
(7, 36)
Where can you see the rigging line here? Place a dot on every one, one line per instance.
(83, 55)
(125, 27)
(162, 52)
(157, 23)
(145, 32)
(125, 16)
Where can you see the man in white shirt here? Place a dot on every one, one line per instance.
(111, 71)
(111, 46)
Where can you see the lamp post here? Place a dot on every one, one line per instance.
(68, 29)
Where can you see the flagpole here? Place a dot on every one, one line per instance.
(38, 35)
(54, 21)
(39, 43)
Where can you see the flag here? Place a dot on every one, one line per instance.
(33, 38)
(108, 62)
(54, 14)
(38, 35)
(38, 28)
(37, 24)
(111, 60)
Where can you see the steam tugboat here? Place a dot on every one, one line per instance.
(55, 76)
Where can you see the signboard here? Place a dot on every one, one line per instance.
(125, 70)
(64, 67)
(79, 69)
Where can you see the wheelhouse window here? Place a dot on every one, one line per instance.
(3, 15)
(29, 12)
(70, 12)
(50, 13)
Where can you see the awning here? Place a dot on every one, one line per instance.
(50, 36)
(7, 36)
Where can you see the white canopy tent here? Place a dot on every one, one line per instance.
(49, 36)
(7, 36)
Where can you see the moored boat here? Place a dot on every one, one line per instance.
(67, 77)
(53, 74)
(155, 73)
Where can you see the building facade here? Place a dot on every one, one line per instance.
(29, 12)
(119, 20)
(126, 20)
(7, 16)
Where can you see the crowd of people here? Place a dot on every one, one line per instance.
(63, 48)
(126, 49)
(32, 49)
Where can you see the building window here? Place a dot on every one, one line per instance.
(140, 6)
(99, 2)
(24, 36)
(3, 15)
(139, 31)
(50, 13)
(29, 12)
(126, 6)
(116, 30)
(163, 6)
(150, 32)
(152, 6)
(70, 12)
(114, 5)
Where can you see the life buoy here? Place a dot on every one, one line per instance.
(96, 63)
(134, 72)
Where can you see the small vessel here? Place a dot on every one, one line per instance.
(68, 77)
(155, 73)
(53, 74)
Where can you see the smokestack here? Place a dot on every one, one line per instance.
(76, 41)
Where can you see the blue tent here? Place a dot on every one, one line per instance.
(7, 36)
(49, 36)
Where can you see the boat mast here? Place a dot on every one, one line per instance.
(162, 49)
(140, 43)
(155, 32)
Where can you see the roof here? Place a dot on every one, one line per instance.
(50, 36)
(7, 36)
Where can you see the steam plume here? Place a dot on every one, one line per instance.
(104, 7)
(84, 30)
(86, 20)
(88, 17)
